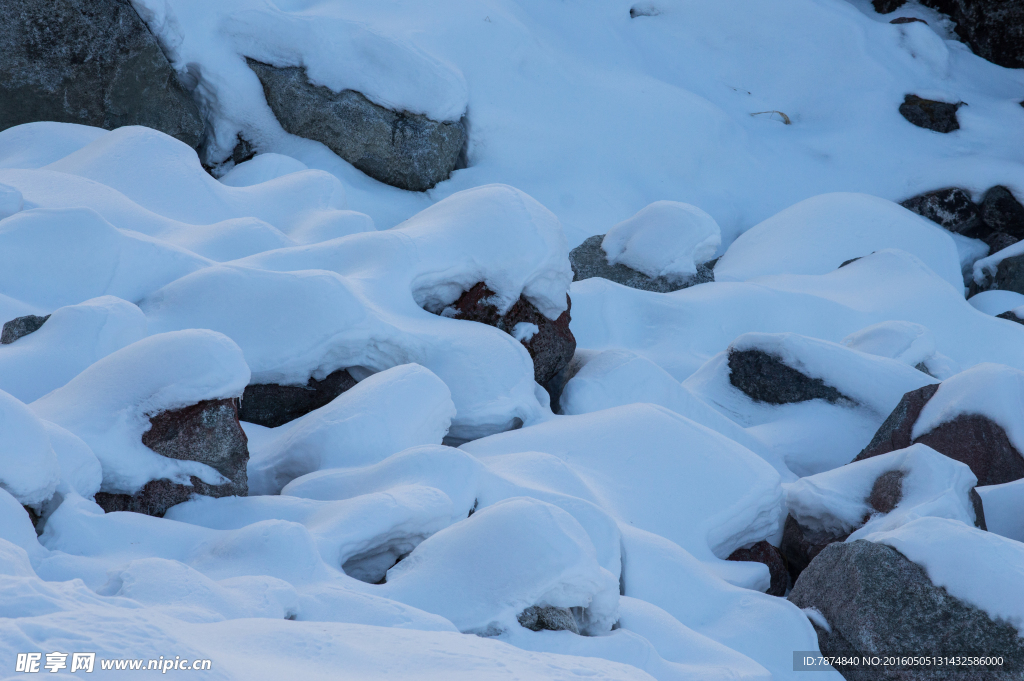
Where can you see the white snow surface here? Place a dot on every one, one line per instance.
(666, 239)
(717, 126)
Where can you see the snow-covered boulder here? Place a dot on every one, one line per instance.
(525, 552)
(160, 417)
(819, 234)
(406, 150)
(662, 248)
(28, 465)
(873, 495)
(384, 414)
(973, 417)
(89, 62)
(872, 598)
(72, 339)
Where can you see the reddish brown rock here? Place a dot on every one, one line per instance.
(971, 439)
(273, 405)
(208, 432)
(551, 347)
(763, 552)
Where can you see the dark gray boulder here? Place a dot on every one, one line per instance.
(589, 260)
(766, 378)
(92, 62)
(997, 241)
(877, 602)
(273, 405)
(1010, 315)
(1009, 276)
(930, 114)
(548, 618)
(972, 439)
(402, 149)
(994, 29)
(800, 544)
(208, 432)
(886, 6)
(763, 552)
(951, 207)
(20, 327)
(552, 345)
(908, 20)
(1002, 212)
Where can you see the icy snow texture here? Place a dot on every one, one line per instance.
(836, 501)
(109, 404)
(666, 239)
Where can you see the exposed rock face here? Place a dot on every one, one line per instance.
(551, 344)
(207, 432)
(765, 378)
(801, 544)
(993, 28)
(952, 208)
(1002, 212)
(887, 492)
(886, 6)
(589, 260)
(972, 439)
(876, 601)
(763, 552)
(1012, 316)
(997, 241)
(537, 618)
(403, 149)
(1009, 276)
(930, 114)
(273, 405)
(92, 62)
(20, 327)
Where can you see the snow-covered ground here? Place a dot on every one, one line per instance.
(403, 529)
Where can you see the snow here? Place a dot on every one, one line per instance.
(71, 340)
(933, 485)
(368, 545)
(819, 234)
(990, 390)
(986, 268)
(666, 239)
(996, 302)
(29, 469)
(109, 404)
(384, 414)
(980, 568)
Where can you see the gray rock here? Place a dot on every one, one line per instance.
(208, 432)
(548, 618)
(930, 114)
(763, 552)
(876, 601)
(402, 149)
(908, 20)
(952, 208)
(1009, 314)
(765, 378)
(589, 260)
(1002, 212)
(887, 492)
(800, 544)
(272, 405)
(1009, 276)
(92, 62)
(20, 327)
(997, 241)
(886, 6)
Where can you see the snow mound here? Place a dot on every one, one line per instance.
(933, 485)
(109, 404)
(34, 145)
(819, 234)
(729, 494)
(57, 257)
(980, 568)
(905, 342)
(261, 168)
(526, 553)
(990, 390)
(666, 239)
(383, 414)
(996, 302)
(29, 469)
(72, 339)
